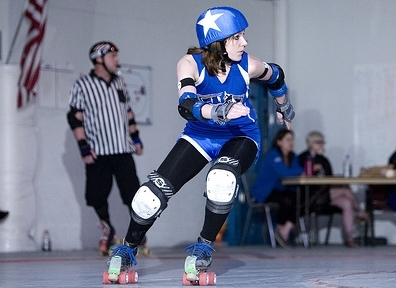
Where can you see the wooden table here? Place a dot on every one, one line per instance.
(337, 180)
(327, 180)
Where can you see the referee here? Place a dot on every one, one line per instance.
(104, 127)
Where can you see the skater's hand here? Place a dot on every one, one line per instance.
(90, 159)
(137, 142)
(139, 149)
(283, 121)
(238, 110)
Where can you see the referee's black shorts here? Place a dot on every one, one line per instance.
(99, 179)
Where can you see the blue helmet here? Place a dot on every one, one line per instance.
(219, 23)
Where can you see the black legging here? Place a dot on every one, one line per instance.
(287, 201)
(182, 164)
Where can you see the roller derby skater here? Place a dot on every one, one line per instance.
(221, 129)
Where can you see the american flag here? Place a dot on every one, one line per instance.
(36, 13)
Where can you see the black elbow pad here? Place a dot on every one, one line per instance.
(190, 109)
(72, 120)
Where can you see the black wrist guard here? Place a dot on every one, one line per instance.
(135, 138)
(85, 149)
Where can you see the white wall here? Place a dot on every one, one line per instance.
(325, 40)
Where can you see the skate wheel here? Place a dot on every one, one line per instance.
(185, 281)
(122, 278)
(106, 278)
(203, 279)
(127, 277)
(211, 279)
(133, 276)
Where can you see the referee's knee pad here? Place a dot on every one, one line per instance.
(222, 185)
(151, 199)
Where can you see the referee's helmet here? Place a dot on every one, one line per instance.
(100, 49)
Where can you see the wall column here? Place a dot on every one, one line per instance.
(18, 159)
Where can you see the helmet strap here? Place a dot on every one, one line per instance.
(224, 54)
(222, 66)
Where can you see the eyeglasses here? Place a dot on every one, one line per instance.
(319, 142)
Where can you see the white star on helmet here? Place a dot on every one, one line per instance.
(209, 22)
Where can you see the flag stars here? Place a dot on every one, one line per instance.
(209, 21)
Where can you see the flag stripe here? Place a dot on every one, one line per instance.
(35, 13)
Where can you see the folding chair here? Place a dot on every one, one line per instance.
(265, 208)
(325, 210)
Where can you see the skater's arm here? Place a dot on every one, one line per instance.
(187, 70)
(273, 75)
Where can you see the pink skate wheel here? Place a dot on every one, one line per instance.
(203, 279)
(106, 278)
(185, 281)
(127, 277)
(211, 279)
(133, 276)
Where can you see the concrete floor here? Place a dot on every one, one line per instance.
(235, 266)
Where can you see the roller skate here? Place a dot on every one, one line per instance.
(107, 239)
(197, 264)
(122, 258)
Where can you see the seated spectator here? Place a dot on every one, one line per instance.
(279, 162)
(339, 196)
(391, 200)
(384, 196)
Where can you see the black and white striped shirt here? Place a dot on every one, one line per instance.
(105, 108)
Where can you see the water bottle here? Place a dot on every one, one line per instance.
(347, 166)
(46, 244)
(308, 166)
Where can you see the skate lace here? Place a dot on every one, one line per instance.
(126, 253)
(200, 250)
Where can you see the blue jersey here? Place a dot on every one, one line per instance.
(272, 170)
(234, 89)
